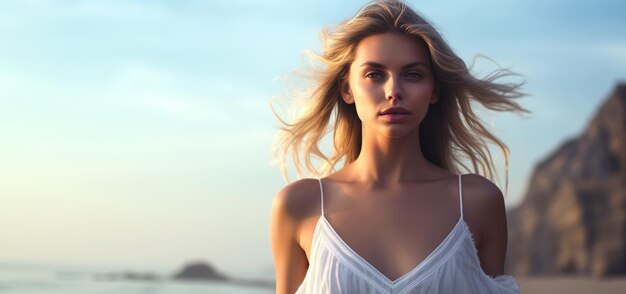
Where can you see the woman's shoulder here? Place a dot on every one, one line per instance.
(299, 199)
(483, 205)
(480, 190)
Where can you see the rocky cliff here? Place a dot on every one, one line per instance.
(199, 271)
(573, 217)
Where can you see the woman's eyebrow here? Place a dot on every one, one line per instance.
(380, 66)
(372, 64)
(415, 64)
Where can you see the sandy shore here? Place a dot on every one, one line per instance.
(571, 285)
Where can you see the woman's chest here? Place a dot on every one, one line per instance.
(393, 236)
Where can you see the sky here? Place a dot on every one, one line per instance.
(129, 127)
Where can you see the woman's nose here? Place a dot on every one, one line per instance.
(393, 89)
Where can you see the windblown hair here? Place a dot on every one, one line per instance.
(451, 134)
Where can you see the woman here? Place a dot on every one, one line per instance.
(396, 218)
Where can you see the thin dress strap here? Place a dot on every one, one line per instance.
(461, 196)
(321, 194)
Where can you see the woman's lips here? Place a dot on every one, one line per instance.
(394, 117)
(394, 114)
(395, 110)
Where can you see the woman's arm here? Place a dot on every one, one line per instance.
(290, 261)
(486, 211)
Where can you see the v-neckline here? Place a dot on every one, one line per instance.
(377, 272)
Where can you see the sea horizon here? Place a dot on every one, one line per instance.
(18, 277)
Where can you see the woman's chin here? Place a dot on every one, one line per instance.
(397, 132)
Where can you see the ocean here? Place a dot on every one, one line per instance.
(39, 279)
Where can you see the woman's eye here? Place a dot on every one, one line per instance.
(413, 75)
(373, 75)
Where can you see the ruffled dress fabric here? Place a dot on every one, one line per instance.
(453, 267)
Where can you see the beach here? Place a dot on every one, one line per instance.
(571, 285)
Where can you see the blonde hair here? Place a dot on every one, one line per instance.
(451, 130)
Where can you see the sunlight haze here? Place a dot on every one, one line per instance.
(128, 126)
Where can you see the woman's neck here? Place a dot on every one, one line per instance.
(390, 160)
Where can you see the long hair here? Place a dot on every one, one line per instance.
(451, 134)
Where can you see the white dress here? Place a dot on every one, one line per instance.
(453, 267)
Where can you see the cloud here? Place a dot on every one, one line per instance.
(189, 97)
(615, 52)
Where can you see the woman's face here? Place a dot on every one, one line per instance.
(392, 84)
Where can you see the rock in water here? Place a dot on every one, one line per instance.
(573, 217)
(199, 271)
